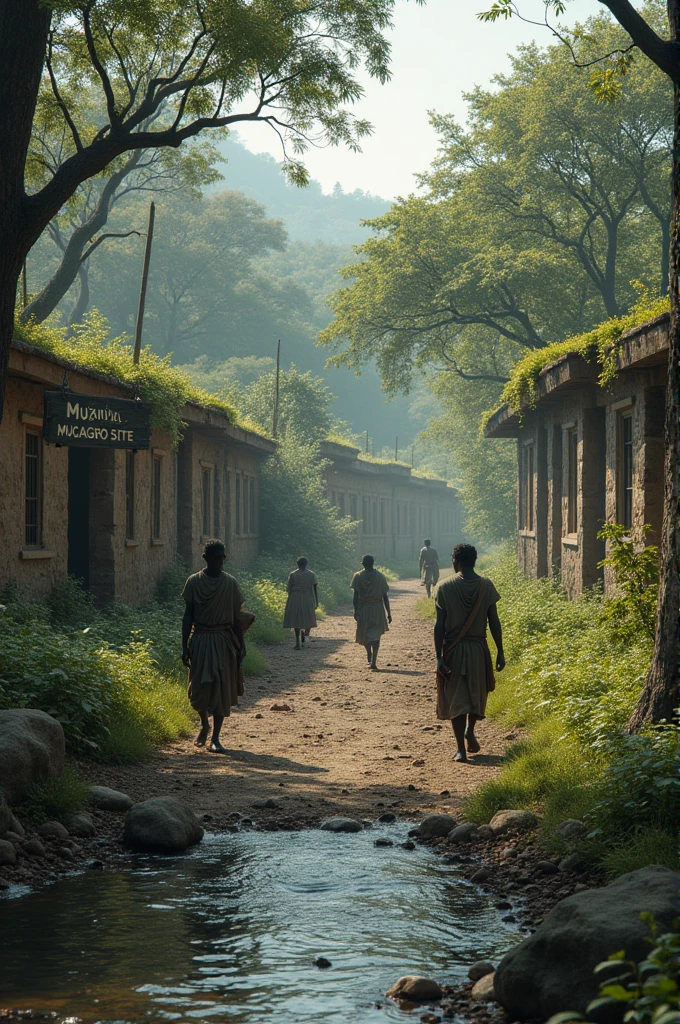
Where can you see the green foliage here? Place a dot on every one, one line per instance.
(647, 992)
(166, 388)
(55, 798)
(598, 345)
(69, 605)
(636, 576)
(304, 403)
(294, 506)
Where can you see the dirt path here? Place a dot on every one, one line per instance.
(353, 743)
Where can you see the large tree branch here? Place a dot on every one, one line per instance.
(664, 53)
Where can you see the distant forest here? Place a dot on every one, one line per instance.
(237, 263)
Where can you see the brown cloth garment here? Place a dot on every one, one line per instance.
(300, 610)
(464, 691)
(371, 617)
(429, 565)
(216, 643)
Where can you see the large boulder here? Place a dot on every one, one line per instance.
(32, 750)
(6, 816)
(435, 826)
(552, 970)
(105, 799)
(161, 824)
(512, 821)
(342, 825)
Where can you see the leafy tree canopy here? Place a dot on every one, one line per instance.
(534, 222)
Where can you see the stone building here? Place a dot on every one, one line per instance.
(394, 506)
(110, 516)
(589, 454)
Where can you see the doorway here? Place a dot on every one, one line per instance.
(79, 514)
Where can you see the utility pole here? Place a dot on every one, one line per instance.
(142, 291)
(367, 442)
(24, 286)
(413, 456)
(277, 385)
(396, 448)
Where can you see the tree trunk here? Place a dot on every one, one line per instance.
(23, 38)
(660, 695)
(83, 300)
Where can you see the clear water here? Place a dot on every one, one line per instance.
(229, 932)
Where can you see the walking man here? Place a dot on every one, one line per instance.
(212, 643)
(429, 566)
(464, 604)
(371, 608)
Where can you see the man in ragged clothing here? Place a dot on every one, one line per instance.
(213, 647)
(465, 603)
(429, 566)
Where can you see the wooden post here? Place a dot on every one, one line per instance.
(396, 448)
(413, 456)
(24, 286)
(275, 411)
(367, 442)
(145, 278)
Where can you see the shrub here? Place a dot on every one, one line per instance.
(55, 798)
(636, 574)
(69, 605)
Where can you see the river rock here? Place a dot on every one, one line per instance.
(65, 852)
(480, 875)
(547, 867)
(480, 970)
(105, 799)
(13, 837)
(415, 989)
(575, 864)
(53, 830)
(34, 848)
(263, 804)
(16, 826)
(552, 970)
(483, 832)
(341, 825)
(435, 826)
(80, 825)
(483, 991)
(462, 833)
(6, 816)
(32, 751)
(8, 854)
(569, 828)
(388, 818)
(161, 824)
(505, 821)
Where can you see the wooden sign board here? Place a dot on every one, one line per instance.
(92, 421)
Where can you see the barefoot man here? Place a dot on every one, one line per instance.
(429, 566)
(464, 604)
(371, 608)
(212, 643)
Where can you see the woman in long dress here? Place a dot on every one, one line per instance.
(303, 600)
(465, 604)
(371, 608)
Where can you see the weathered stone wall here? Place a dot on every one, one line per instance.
(120, 567)
(394, 510)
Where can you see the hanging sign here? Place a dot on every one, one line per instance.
(91, 421)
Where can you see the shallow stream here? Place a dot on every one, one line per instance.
(229, 932)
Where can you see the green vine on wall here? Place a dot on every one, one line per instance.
(521, 391)
(165, 387)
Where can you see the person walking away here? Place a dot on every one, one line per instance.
(303, 600)
(213, 645)
(371, 608)
(464, 604)
(429, 566)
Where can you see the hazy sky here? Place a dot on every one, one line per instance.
(439, 51)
